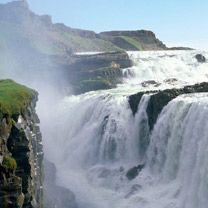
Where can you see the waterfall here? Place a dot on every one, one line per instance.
(178, 149)
(94, 139)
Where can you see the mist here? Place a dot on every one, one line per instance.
(101, 150)
(38, 71)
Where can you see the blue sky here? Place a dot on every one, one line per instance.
(175, 22)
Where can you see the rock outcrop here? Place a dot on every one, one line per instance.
(159, 99)
(21, 151)
(95, 71)
(200, 58)
(134, 171)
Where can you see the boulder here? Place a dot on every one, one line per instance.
(150, 82)
(134, 171)
(200, 58)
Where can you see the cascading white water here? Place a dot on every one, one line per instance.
(94, 139)
(97, 139)
(177, 166)
(167, 68)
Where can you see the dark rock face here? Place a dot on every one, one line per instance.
(161, 98)
(54, 195)
(21, 138)
(134, 172)
(134, 101)
(200, 58)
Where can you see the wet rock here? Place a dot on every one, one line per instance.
(159, 99)
(170, 81)
(133, 172)
(200, 58)
(150, 82)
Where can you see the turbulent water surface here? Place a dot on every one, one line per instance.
(94, 139)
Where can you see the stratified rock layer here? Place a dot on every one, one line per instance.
(95, 71)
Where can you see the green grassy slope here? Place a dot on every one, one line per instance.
(14, 98)
(132, 41)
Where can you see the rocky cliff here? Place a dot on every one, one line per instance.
(21, 151)
(88, 72)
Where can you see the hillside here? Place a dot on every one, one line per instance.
(20, 25)
(134, 40)
(38, 49)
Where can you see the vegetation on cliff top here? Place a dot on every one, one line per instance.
(14, 98)
(9, 163)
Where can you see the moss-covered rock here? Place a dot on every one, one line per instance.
(14, 98)
(9, 163)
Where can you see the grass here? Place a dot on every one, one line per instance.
(133, 42)
(14, 98)
(9, 163)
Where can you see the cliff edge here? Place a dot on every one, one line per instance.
(21, 151)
